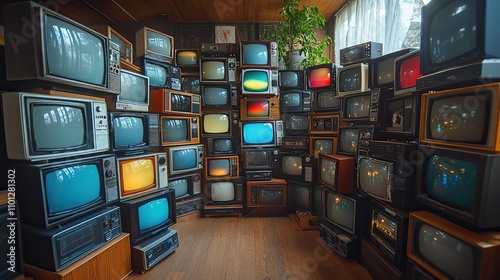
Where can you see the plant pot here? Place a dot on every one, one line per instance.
(295, 59)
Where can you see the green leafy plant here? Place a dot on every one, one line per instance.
(296, 30)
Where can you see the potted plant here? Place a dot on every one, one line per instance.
(296, 33)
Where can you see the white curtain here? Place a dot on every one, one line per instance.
(394, 23)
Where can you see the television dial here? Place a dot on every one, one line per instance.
(162, 160)
(367, 135)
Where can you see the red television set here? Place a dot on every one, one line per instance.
(142, 174)
(352, 79)
(222, 167)
(223, 95)
(381, 69)
(295, 100)
(56, 193)
(219, 123)
(225, 191)
(406, 72)
(217, 69)
(295, 124)
(186, 158)
(336, 172)
(299, 196)
(154, 45)
(326, 100)
(291, 79)
(187, 58)
(179, 130)
(321, 76)
(132, 132)
(259, 108)
(460, 185)
(255, 134)
(186, 185)
(148, 215)
(258, 54)
(58, 53)
(298, 167)
(448, 251)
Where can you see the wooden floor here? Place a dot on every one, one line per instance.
(251, 248)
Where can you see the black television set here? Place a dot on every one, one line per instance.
(224, 191)
(400, 117)
(351, 139)
(295, 100)
(381, 69)
(349, 212)
(300, 196)
(219, 123)
(132, 132)
(295, 124)
(291, 79)
(217, 69)
(186, 185)
(326, 100)
(219, 95)
(221, 145)
(298, 167)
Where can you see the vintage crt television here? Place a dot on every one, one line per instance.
(11, 268)
(142, 174)
(299, 196)
(336, 172)
(260, 163)
(400, 117)
(325, 123)
(295, 100)
(183, 159)
(222, 167)
(43, 127)
(85, 62)
(225, 191)
(261, 134)
(352, 79)
(326, 100)
(134, 93)
(464, 118)
(381, 69)
(406, 72)
(190, 82)
(459, 185)
(258, 54)
(161, 74)
(221, 145)
(449, 251)
(56, 193)
(322, 76)
(258, 82)
(363, 52)
(219, 123)
(458, 43)
(148, 215)
(217, 69)
(154, 45)
(295, 124)
(132, 132)
(354, 138)
(388, 229)
(186, 185)
(175, 102)
(387, 173)
(259, 108)
(271, 193)
(295, 166)
(348, 212)
(179, 130)
(364, 106)
(291, 79)
(186, 58)
(318, 194)
(322, 145)
(222, 95)
(126, 47)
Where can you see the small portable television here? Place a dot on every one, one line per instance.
(132, 132)
(387, 173)
(126, 47)
(295, 100)
(322, 76)
(258, 54)
(460, 185)
(259, 108)
(222, 145)
(324, 123)
(222, 167)
(267, 194)
(464, 118)
(225, 191)
(322, 145)
(217, 69)
(298, 167)
(183, 159)
(406, 72)
(336, 172)
(57, 193)
(260, 163)
(381, 69)
(446, 250)
(43, 127)
(154, 45)
(388, 229)
(187, 58)
(190, 83)
(222, 95)
(219, 123)
(175, 102)
(295, 123)
(326, 100)
(179, 130)
(400, 117)
(142, 174)
(134, 93)
(50, 61)
(161, 75)
(354, 138)
(363, 52)
(185, 186)
(149, 215)
(254, 134)
(352, 79)
(364, 106)
(11, 269)
(447, 59)
(348, 212)
(258, 82)
(291, 79)
(300, 196)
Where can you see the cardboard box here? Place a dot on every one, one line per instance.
(306, 220)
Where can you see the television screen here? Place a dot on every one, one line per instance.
(256, 158)
(255, 54)
(348, 141)
(186, 58)
(409, 71)
(159, 43)
(180, 186)
(180, 102)
(137, 174)
(134, 88)
(382, 69)
(357, 106)
(191, 84)
(175, 130)
(375, 176)
(349, 80)
(222, 191)
(257, 133)
(213, 69)
(223, 145)
(270, 196)
(296, 123)
(299, 196)
(328, 172)
(291, 165)
(327, 100)
(184, 159)
(129, 131)
(291, 99)
(220, 167)
(291, 79)
(320, 77)
(215, 95)
(257, 108)
(255, 81)
(385, 71)
(153, 213)
(323, 146)
(216, 123)
(158, 75)
(340, 210)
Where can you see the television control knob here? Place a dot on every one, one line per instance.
(162, 160)
(367, 135)
(107, 163)
(275, 152)
(108, 173)
(366, 143)
(98, 109)
(232, 65)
